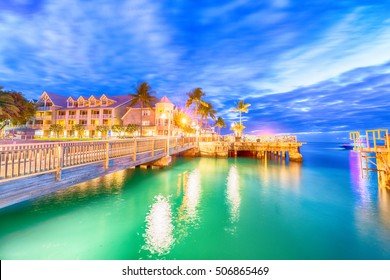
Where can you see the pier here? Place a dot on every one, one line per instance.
(260, 147)
(374, 153)
(31, 170)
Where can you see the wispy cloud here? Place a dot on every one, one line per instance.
(304, 67)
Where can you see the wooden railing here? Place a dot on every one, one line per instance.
(37, 158)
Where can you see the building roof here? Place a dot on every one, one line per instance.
(58, 100)
(61, 101)
(165, 100)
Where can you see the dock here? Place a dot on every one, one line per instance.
(283, 147)
(374, 153)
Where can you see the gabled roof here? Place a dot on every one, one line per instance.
(61, 101)
(58, 100)
(165, 100)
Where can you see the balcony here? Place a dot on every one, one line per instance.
(95, 116)
(41, 126)
(61, 117)
(83, 117)
(72, 117)
(107, 116)
(43, 117)
(45, 108)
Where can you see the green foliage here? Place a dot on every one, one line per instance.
(242, 108)
(15, 107)
(79, 128)
(238, 128)
(220, 123)
(118, 129)
(102, 128)
(206, 110)
(132, 128)
(56, 128)
(144, 95)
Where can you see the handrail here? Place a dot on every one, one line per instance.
(36, 158)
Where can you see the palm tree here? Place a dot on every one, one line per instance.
(238, 128)
(144, 96)
(206, 110)
(195, 97)
(242, 108)
(220, 123)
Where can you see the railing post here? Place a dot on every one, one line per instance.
(153, 147)
(135, 150)
(107, 155)
(60, 161)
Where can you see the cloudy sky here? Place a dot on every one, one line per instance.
(306, 66)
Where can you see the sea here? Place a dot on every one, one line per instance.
(325, 208)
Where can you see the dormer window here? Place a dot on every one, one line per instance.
(81, 101)
(70, 102)
(103, 100)
(92, 101)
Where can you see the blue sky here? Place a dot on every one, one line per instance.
(318, 68)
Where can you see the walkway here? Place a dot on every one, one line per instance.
(35, 169)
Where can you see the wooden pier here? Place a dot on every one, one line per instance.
(32, 170)
(277, 146)
(374, 153)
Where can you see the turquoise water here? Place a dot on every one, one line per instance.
(208, 208)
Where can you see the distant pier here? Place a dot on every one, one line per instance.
(258, 147)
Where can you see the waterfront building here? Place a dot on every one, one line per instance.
(86, 111)
(157, 120)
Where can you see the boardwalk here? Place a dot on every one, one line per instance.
(31, 170)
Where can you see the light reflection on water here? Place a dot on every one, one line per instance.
(207, 208)
(159, 228)
(233, 194)
(164, 227)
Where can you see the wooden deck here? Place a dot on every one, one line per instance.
(31, 170)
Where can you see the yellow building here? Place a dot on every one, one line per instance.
(86, 111)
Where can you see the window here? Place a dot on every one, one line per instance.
(145, 113)
(83, 122)
(145, 123)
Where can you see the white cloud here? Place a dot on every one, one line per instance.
(348, 45)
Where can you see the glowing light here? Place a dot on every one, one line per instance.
(192, 195)
(159, 229)
(233, 194)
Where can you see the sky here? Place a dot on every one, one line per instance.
(317, 68)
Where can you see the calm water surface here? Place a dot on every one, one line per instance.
(207, 208)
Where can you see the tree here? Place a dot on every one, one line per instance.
(144, 96)
(206, 110)
(195, 98)
(79, 128)
(56, 128)
(118, 129)
(103, 129)
(132, 128)
(8, 108)
(238, 128)
(242, 108)
(220, 123)
(26, 108)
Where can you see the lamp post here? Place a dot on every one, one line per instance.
(165, 117)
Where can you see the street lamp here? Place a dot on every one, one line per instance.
(165, 117)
